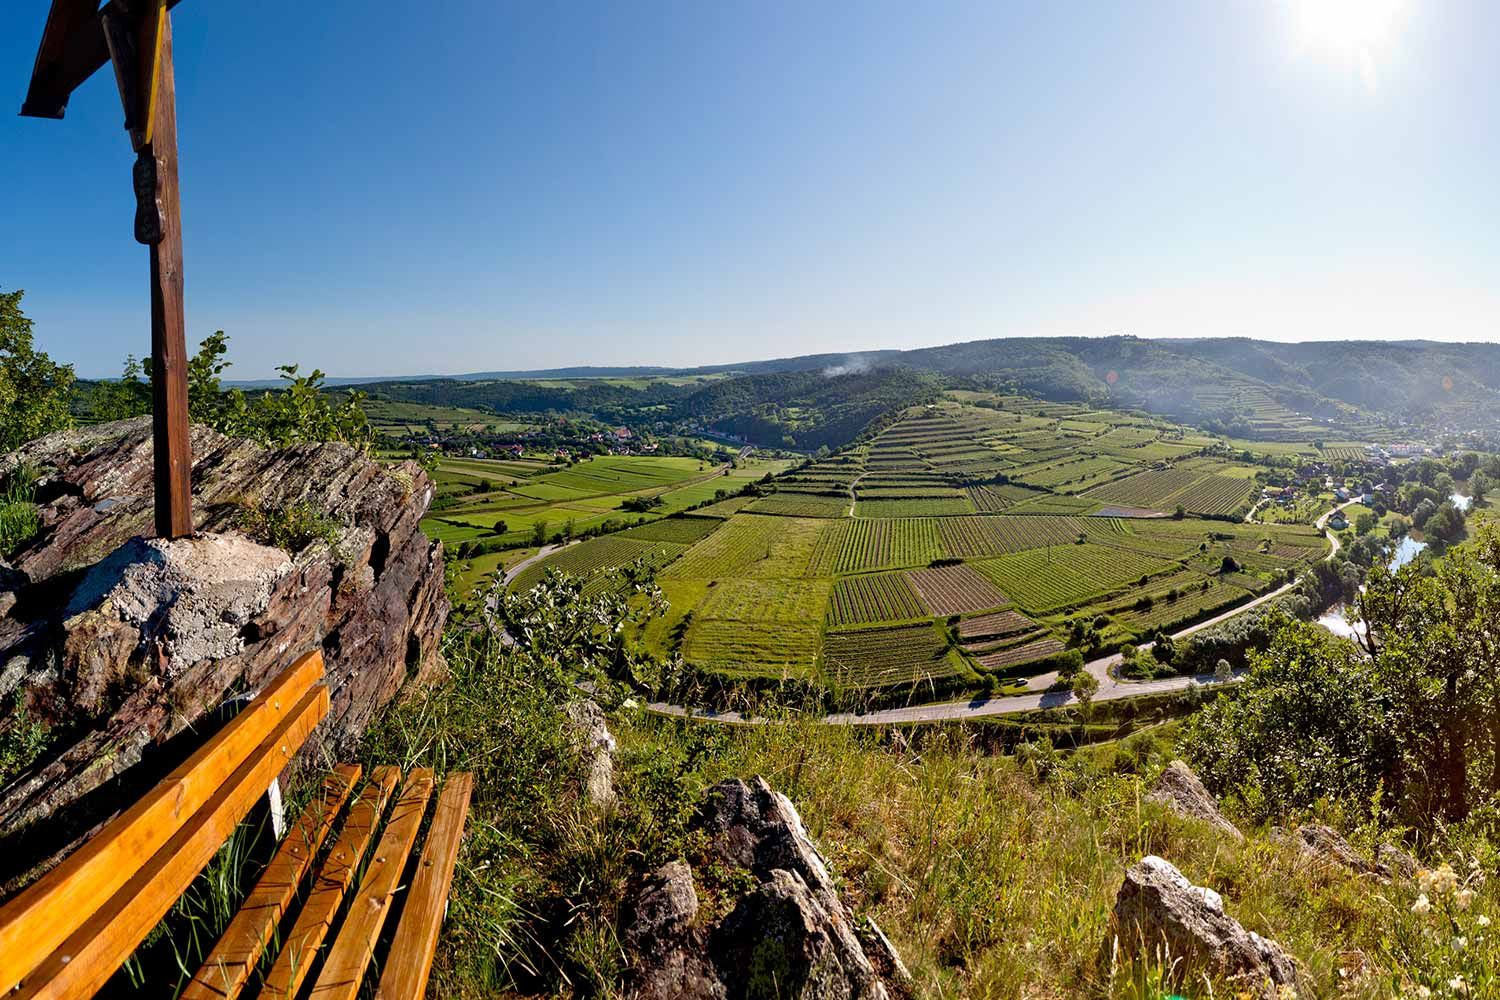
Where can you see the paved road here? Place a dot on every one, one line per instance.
(1110, 686)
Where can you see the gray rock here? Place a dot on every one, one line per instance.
(194, 596)
(1158, 908)
(788, 934)
(779, 941)
(1179, 789)
(1396, 861)
(588, 727)
(884, 956)
(1324, 847)
(667, 948)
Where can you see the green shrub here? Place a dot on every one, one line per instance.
(292, 528)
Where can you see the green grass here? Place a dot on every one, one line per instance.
(730, 648)
(800, 505)
(765, 600)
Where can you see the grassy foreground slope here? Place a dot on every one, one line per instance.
(994, 875)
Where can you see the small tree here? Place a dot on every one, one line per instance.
(1085, 685)
(1223, 671)
(34, 390)
(539, 534)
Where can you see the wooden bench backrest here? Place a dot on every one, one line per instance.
(66, 934)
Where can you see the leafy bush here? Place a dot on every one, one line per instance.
(292, 528)
(34, 390)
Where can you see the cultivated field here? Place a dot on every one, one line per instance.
(990, 521)
(1197, 491)
(873, 597)
(753, 545)
(906, 656)
(976, 537)
(1068, 576)
(955, 590)
(858, 545)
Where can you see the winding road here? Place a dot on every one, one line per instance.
(1111, 688)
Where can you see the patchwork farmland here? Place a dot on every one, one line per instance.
(959, 545)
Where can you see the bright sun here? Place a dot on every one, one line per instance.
(1357, 30)
(1347, 24)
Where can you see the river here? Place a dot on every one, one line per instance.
(1337, 622)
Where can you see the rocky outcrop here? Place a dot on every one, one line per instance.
(1179, 789)
(1160, 911)
(587, 727)
(1324, 847)
(1399, 863)
(784, 931)
(122, 644)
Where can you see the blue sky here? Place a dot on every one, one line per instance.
(377, 188)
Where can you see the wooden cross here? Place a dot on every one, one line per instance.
(136, 37)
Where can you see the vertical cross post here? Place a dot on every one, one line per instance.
(136, 37)
(169, 387)
(139, 37)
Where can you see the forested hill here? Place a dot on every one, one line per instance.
(1232, 384)
(1237, 386)
(805, 409)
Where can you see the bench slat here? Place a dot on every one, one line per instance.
(105, 939)
(301, 948)
(39, 919)
(410, 959)
(227, 969)
(344, 969)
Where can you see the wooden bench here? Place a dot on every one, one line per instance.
(70, 931)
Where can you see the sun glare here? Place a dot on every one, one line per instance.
(1353, 25)
(1355, 30)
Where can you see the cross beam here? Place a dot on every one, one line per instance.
(136, 37)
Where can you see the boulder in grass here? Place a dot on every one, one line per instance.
(586, 725)
(1324, 847)
(1159, 911)
(785, 930)
(1179, 789)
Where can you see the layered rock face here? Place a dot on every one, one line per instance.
(121, 643)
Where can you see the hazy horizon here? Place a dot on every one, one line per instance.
(501, 187)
